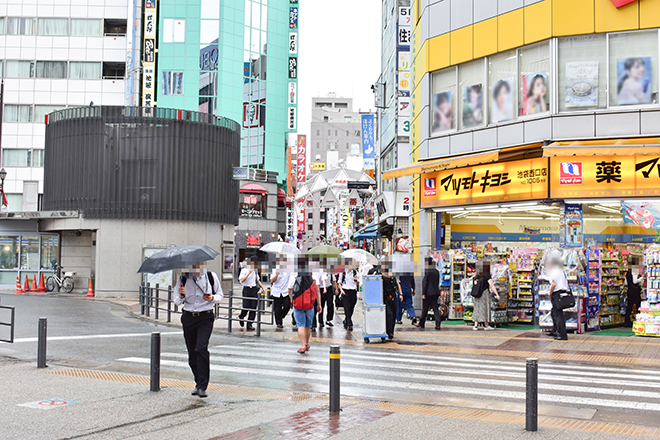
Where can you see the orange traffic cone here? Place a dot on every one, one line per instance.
(26, 286)
(90, 290)
(19, 289)
(34, 284)
(42, 285)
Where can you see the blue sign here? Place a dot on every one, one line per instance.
(293, 18)
(368, 142)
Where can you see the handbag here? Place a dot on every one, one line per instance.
(563, 299)
(477, 287)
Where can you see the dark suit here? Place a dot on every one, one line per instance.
(431, 290)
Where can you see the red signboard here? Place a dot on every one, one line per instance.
(570, 173)
(620, 3)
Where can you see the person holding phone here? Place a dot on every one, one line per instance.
(198, 291)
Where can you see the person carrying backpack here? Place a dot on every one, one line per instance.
(198, 292)
(303, 296)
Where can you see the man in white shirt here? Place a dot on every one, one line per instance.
(281, 278)
(249, 278)
(348, 285)
(198, 291)
(559, 283)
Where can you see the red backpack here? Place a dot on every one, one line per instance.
(304, 300)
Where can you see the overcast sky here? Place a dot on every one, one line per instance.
(340, 43)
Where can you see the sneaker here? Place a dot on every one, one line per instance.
(329, 324)
(475, 328)
(399, 322)
(280, 326)
(489, 328)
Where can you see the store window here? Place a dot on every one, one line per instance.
(443, 101)
(8, 252)
(503, 71)
(18, 113)
(253, 205)
(534, 80)
(633, 68)
(53, 26)
(470, 87)
(51, 69)
(83, 70)
(20, 69)
(82, 27)
(50, 250)
(20, 26)
(30, 253)
(582, 72)
(16, 157)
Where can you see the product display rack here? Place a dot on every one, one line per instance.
(501, 280)
(575, 316)
(593, 291)
(458, 268)
(612, 287)
(647, 321)
(521, 304)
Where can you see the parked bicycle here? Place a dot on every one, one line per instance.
(65, 283)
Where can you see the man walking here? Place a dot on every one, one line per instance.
(407, 282)
(280, 291)
(249, 278)
(348, 286)
(198, 291)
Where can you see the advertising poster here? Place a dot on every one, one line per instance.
(535, 90)
(581, 84)
(643, 214)
(501, 107)
(634, 81)
(368, 142)
(574, 225)
(473, 101)
(443, 112)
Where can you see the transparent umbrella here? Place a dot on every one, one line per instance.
(280, 247)
(360, 255)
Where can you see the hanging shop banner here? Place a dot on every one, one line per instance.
(293, 93)
(497, 182)
(574, 225)
(368, 142)
(149, 54)
(293, 68)
(644, 214)
(301, 157)
(292, 119)
(293, 18)
(293, 43)
(604, 176)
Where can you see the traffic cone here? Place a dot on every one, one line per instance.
(26, 286)
(90, 290)
(19, 289)
(42, 285)
(34, 284)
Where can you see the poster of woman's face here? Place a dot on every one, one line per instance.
(473, 114)
(634, 81)
(502, 102)
(443, 112)
(535, 90)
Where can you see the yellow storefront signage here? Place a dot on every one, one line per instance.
(317, 166)
(604, 176)
(497, 182)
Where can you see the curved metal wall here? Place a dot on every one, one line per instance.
(108, 163)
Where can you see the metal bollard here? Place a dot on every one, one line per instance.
(41, 343)
(334, 378)
(169, 303)
(155, 362)
(260, 306)
(532, 401)
(230, 311)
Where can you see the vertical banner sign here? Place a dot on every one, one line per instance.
(149, 54)
(573, 225)
(301, 176)
(292, 95)
(368, 142)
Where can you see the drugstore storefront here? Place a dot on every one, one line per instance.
(595, 203)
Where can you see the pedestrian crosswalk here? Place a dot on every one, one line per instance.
(377, 374)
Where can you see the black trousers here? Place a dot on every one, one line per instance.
(430, 303)
(249, 305)
(558, 319)
(281, 306)
(390, 315)
(350, 299)
(632, 301)
(197, 332)
(327, 304)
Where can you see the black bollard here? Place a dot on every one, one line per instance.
(41, 343)
(532, 401)
(334, 378)
(155, 362)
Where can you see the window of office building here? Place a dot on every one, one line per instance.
(502, 73)
(38, 157)
(84, 70)
(20, 26)
(53, 26)
(40, 111)
(443, 101)
(534, 80)
(582, 72)
(82, 27)
(18, 113)
(51, 69)
(471, 90)
(633, 68)
(19, 69)
(2, 25)
(16, 157)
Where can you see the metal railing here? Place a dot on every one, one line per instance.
(156, 301)
(11, 323)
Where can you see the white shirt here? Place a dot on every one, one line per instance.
(251, 280)
(292, 279)
(280, 287)
(348, 280)
(196, 287)
(557, 275)
(321, 278)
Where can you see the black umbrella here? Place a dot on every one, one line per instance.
(178, 257)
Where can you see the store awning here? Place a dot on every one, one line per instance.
(443, 164)
(281, 195)
(253, 188)
(609, 147)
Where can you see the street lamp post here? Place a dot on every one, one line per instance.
(3, 175)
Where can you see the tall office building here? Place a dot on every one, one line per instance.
(53, 56)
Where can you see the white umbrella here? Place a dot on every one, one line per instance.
(360, 255)
(280, 247)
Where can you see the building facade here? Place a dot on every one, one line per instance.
(54, 56)
(524, 109)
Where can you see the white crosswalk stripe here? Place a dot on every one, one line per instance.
(366, 370)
